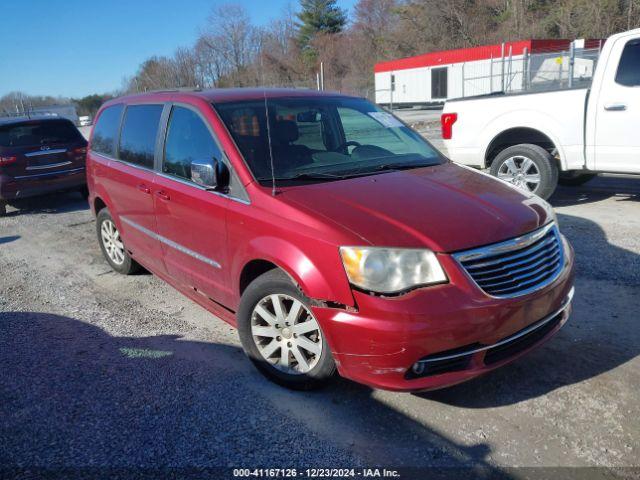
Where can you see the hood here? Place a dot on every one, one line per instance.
(445, 208)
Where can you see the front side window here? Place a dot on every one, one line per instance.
(322, 138)
(628, 73)
(139, 133)
(188, 139)
(105, 131)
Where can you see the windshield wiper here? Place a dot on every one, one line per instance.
(311, 176)
(400, 166)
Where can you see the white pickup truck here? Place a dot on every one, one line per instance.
(535, 140)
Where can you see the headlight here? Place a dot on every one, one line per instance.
(391, 270)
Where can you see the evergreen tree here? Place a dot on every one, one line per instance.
(319, 16)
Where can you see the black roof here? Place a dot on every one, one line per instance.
(40, 118)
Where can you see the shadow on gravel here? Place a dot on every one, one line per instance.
(9, 239)
(74, 396)
(61, 202)
(601, 334)
(600, 188)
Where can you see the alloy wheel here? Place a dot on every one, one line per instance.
(520, 171)
(112, 243)
(286, 334)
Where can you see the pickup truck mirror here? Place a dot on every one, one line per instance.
(212, 174)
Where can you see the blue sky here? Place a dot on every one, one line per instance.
(78, 47)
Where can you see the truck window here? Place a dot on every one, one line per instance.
(106, 131)
(629, 69)
(188, 139)
(139, 132)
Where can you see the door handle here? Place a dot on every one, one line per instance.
(143, 188)
(615, 107)
(163, 195)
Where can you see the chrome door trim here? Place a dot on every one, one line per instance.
(171, 243)
(189, 183)
(529, 329)
(45, 152)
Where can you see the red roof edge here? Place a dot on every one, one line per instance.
(460, 55)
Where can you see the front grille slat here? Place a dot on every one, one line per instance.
(507, 258)
(525, 261)
(527, 267)
(551, 261)
(518, 266)
(527, 284)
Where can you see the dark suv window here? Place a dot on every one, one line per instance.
(139, 132)
(188, 139)
(36, 133)
(629, 69)
(105, 131)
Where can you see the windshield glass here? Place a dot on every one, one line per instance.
(322, 138)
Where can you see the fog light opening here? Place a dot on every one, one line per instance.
(418, 368)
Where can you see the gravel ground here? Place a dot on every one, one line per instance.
(106, 371)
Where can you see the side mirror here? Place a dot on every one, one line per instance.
(203, 173)
(210, 173)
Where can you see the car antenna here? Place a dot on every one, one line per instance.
(273, 173)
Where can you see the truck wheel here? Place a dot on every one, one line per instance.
(528, 167)
(112, 246)
(280, 334)
(574, 179)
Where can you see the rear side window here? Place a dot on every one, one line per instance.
(139, 132)
(188, 139)
(105, 132)
(38, 133)
(629, 69)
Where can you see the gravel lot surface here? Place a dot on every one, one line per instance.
(102, 370)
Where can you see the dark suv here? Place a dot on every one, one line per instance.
(40, 155)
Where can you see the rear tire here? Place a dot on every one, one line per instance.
(529, 167)
(112, 245)
(575, 178)
(285, 343)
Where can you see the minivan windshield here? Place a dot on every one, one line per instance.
(322, 138)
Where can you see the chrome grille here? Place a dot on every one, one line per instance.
(517, 266)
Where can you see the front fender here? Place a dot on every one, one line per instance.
(320, 274)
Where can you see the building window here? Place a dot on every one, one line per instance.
(439, 83)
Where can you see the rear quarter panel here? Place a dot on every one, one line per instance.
(559, 115)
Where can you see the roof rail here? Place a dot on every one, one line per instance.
(177, 89)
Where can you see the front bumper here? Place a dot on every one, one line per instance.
(12, 188)
(455, 331)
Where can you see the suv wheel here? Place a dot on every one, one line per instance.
(112, 245)
(280, 334)
(528, 167)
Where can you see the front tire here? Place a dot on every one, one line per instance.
(281, 336)
(112, 245)
(529, 167)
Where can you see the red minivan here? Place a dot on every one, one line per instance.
(329, 233)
